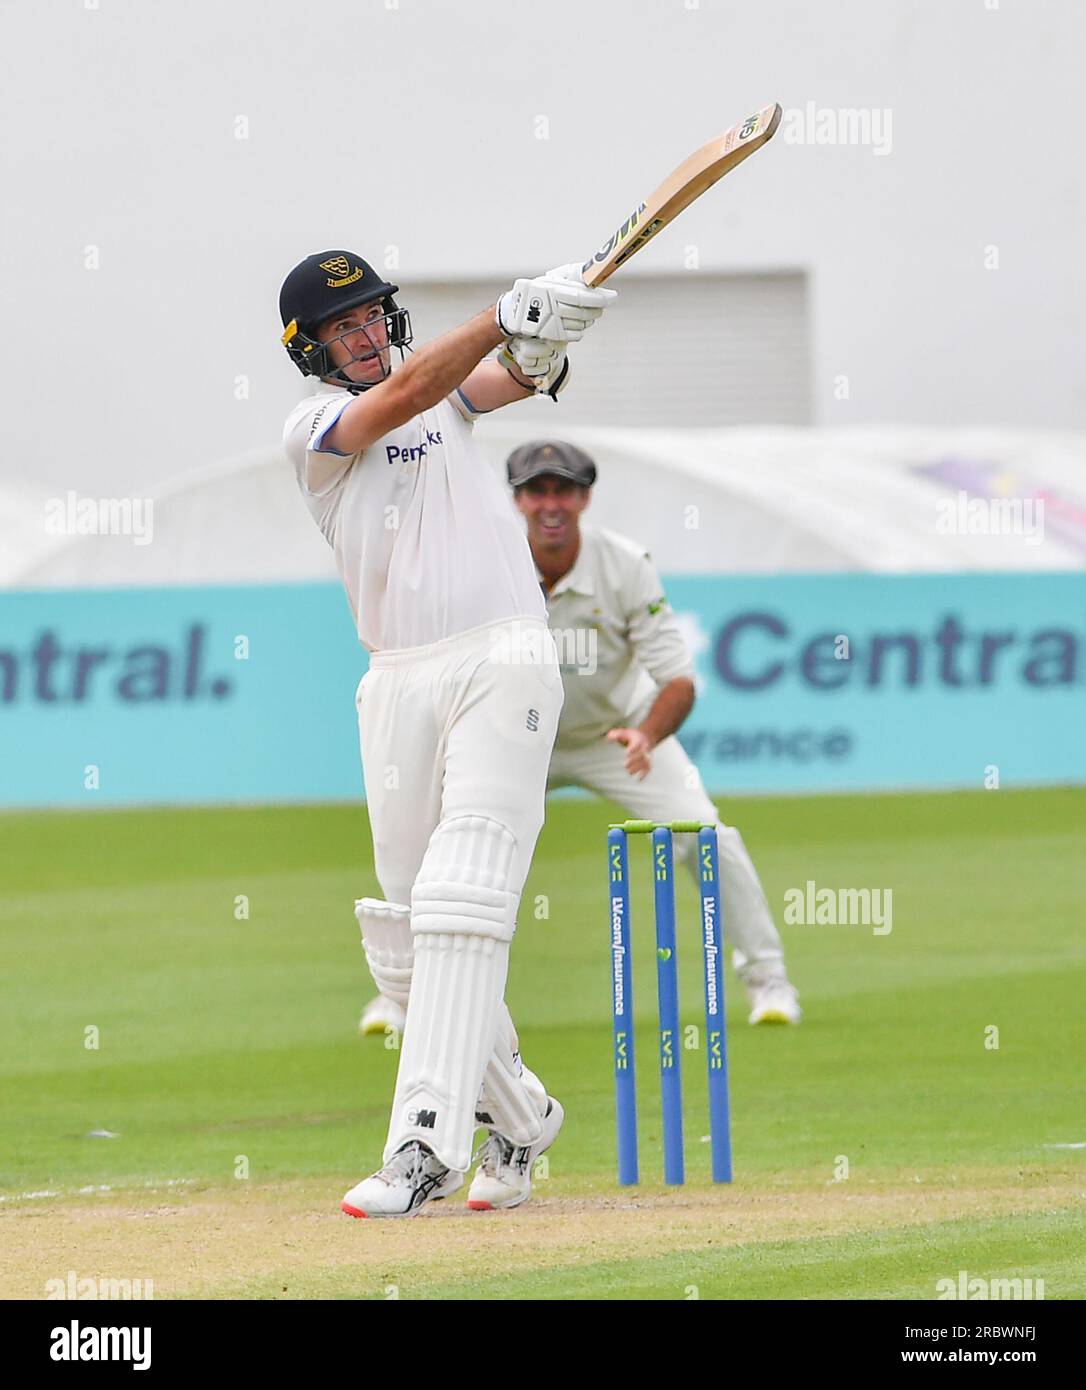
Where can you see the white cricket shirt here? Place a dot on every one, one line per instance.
(617, 637)
(424, 537)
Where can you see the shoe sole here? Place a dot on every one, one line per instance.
(773, 1016)
(476, 1205)
(379, 1215)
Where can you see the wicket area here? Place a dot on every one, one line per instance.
(667, 990)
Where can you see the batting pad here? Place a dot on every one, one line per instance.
(452, 1017)
(465, 882)
(386, 940)
(513, 1099)
(463, 912)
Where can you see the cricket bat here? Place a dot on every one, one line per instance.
(689, 181)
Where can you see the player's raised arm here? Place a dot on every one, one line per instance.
(426, 378)
(537, 316)
(527, 365)
(341, 322)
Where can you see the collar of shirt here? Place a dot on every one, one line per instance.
(578, 577)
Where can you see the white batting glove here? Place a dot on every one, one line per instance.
(543, 362)
(550, 308)
(533, 357)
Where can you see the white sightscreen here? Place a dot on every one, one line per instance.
(677, 350)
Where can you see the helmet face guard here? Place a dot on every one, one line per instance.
(312, 356)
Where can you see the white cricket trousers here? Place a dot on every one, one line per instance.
(443, 733)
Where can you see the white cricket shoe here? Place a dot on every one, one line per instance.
(380, 1015)
(504, 1177)
(774, 1001)
(412, 1177)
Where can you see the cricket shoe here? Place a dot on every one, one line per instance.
(381, 1016)
(504, 1177)
(774, 1001)
(413, 1176)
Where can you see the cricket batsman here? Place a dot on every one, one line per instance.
(624, 706)
(456, 722)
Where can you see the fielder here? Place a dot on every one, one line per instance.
(455, 740)
(624, 705)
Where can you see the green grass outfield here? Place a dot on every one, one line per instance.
(222, 1040)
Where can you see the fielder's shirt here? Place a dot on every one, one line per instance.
(424, 536)
(617, 637)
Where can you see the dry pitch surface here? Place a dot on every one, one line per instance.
(288, 1241)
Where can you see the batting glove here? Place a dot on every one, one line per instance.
(544, 363)
(556, 309)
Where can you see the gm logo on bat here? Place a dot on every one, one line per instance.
(612, 241)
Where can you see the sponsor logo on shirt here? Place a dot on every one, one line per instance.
(316, 421)
(395, 454)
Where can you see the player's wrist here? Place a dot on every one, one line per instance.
(535, 365)
(495, 332)
(519, 377)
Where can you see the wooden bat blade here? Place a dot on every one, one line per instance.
(689, 181)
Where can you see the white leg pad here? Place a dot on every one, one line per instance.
(513, 1099)
(386, 939)
(463, 913)
(465, 882)
(448, 1038)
